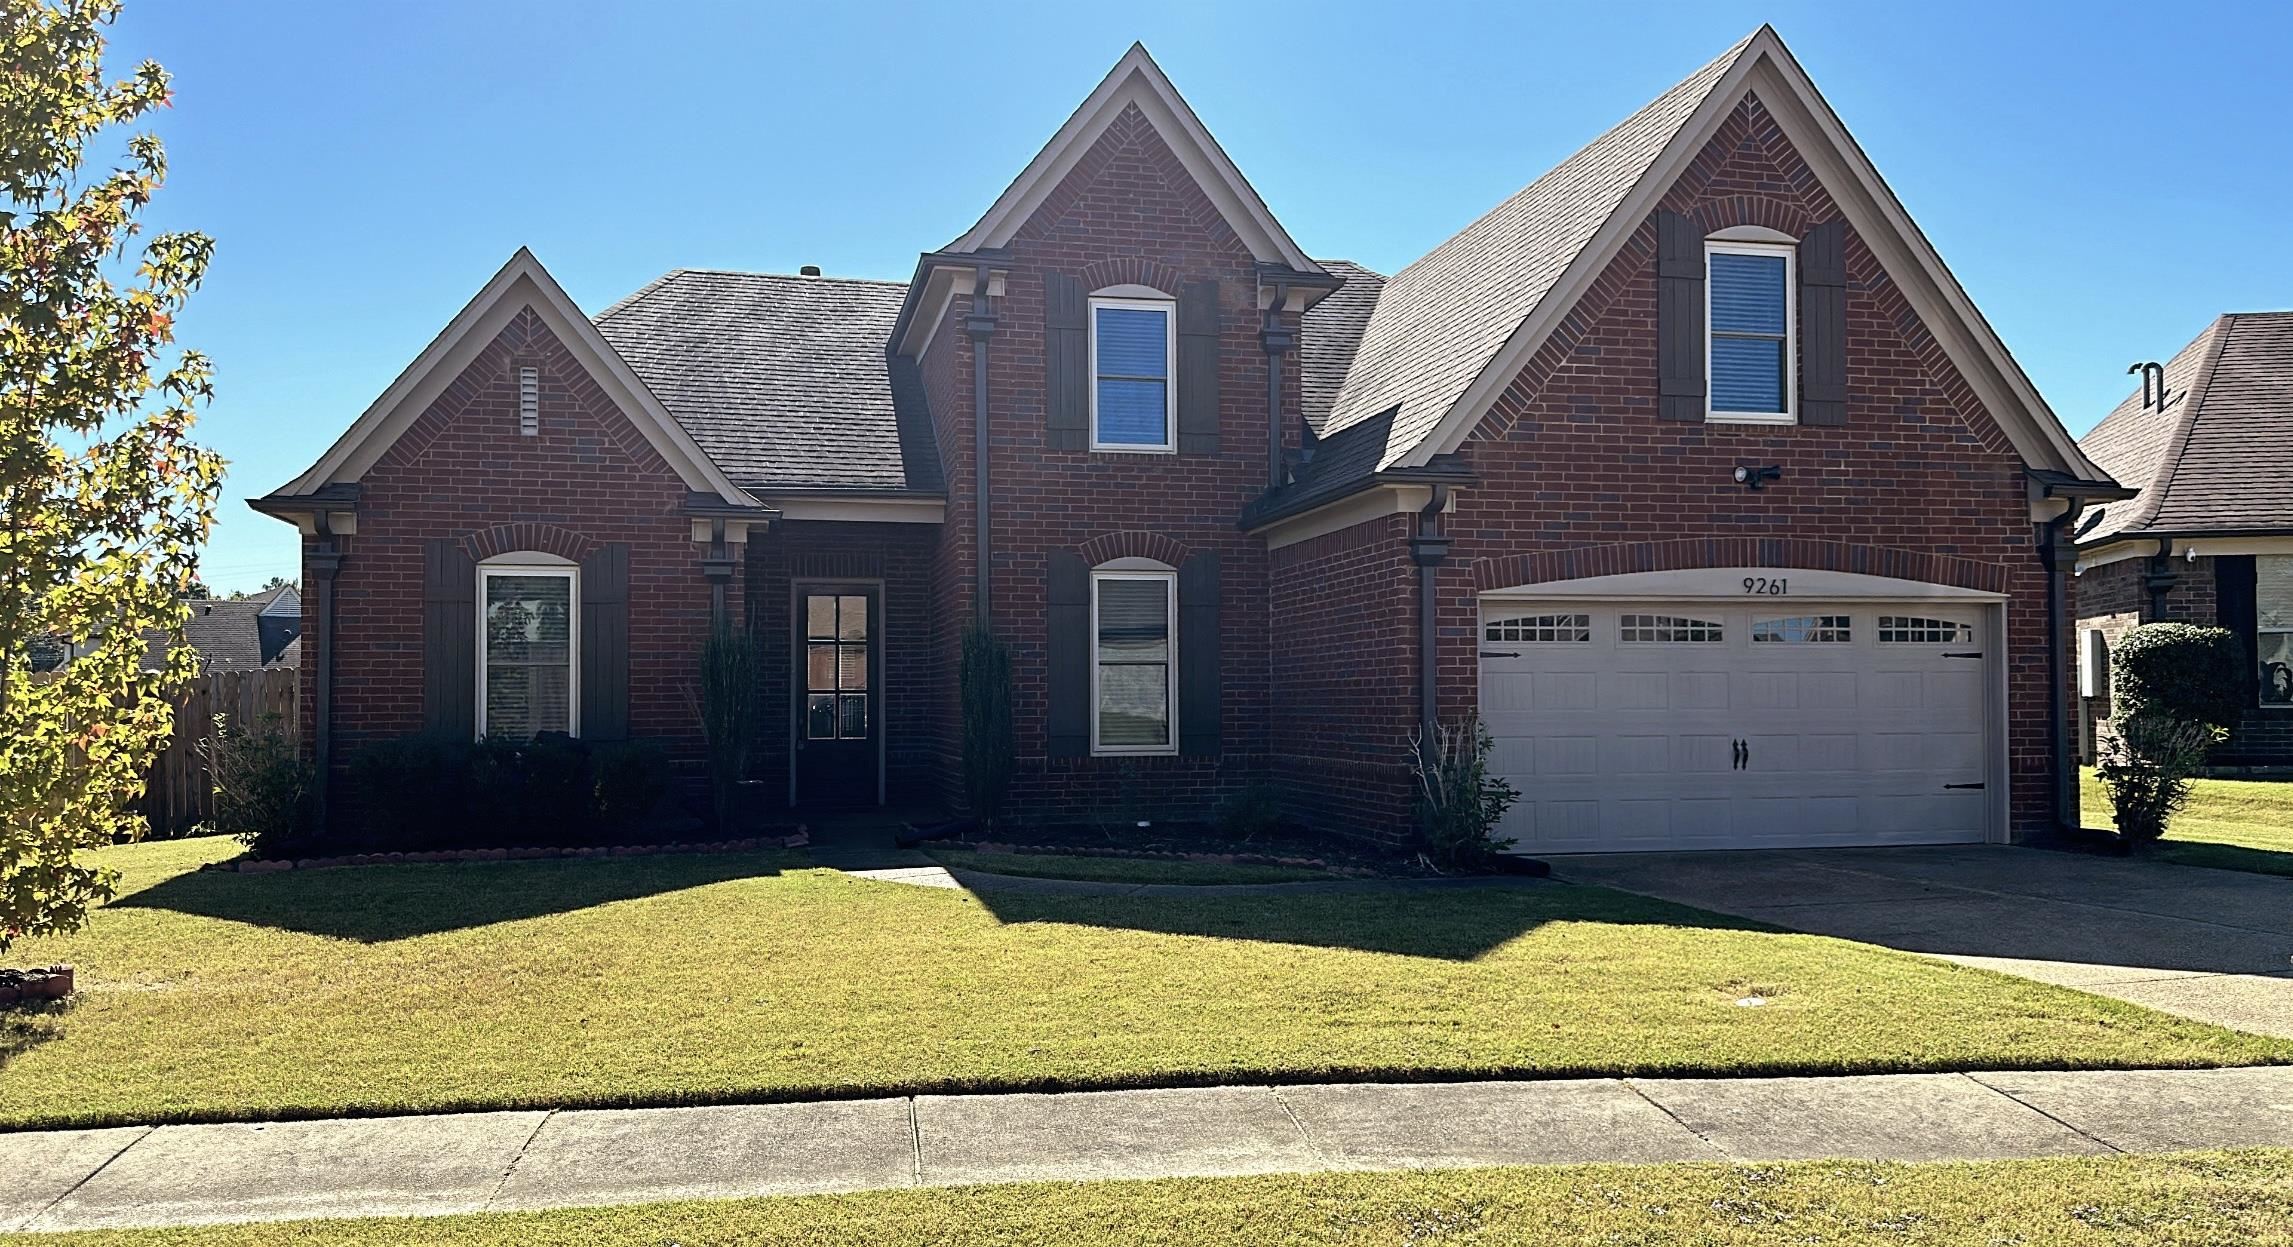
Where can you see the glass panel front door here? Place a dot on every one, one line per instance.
(836, 701)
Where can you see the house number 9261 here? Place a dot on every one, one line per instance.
(1761, 586)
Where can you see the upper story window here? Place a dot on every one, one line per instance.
(528, 639)
(1751, 352)
(2273, 626)
(1133, 404)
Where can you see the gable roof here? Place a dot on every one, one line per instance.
(520, 283)
(1451, 330)
(783, 381)
(1137, 80)
(223, 631)
(2202, 463)
(1329, 335)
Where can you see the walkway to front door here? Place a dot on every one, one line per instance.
(2207, 944)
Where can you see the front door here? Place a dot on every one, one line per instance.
(838, 664)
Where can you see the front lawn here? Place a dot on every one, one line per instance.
(2232, 824)
(2196, 1199)
(689, 979)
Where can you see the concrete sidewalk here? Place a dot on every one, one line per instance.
(422, 1166)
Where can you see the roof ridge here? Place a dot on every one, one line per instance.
(654, 286)
(748, 272)
(2193, 402)
(640, 292)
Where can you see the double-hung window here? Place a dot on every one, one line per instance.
(2273, 626)
(1134, 656)
(1133, 341)
(528, 639)
(1748, 289)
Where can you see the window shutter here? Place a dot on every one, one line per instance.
(605, 643)
(1199, 650)
(1198, 368)
(1067, 671)
(449, 639)
(1066, 364)
(2237, 607)
(1679, 318)
(1823, 324)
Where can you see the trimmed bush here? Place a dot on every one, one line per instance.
(2146, 764)
(2179, 671)
(989, 751)
(434, 792)
(632, 779)
(1253, 812)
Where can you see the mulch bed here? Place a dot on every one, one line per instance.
(1198, 842)
(43, 983)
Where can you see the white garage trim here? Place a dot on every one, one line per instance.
(1729, 583)
(1858, 799)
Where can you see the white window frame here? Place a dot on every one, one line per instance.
(531, 563)
(1169, 581)
(1169, 311)
(1790, 256)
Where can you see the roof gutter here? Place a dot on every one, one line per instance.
(1272, 508)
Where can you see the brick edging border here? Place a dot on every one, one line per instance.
(994, 847)
(261, 865)
(35, 984)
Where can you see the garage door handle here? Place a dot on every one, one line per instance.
(1974, 655)
(1743, 755)
(1967, 786)
(1495, 653)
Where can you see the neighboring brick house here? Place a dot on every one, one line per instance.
(2208, 441)
(1689, 466)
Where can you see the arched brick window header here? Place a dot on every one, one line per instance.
(1130, 271)
(1714, 215)
(1679, 555)
(500, 539)
(1107, 547)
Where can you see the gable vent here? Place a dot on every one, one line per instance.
(529, 402)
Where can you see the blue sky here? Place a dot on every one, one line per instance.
(2103, 181)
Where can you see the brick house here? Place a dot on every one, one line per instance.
(2208, 539)
(1689, 467)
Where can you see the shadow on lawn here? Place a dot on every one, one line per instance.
(2224, 857)
(376, 904)
(1452, 922)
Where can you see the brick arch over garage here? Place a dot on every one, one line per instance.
(1132, 544)
(545, 538)
(1798, 554)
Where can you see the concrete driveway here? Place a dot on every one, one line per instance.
(2216, 945)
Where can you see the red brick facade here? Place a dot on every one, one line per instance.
(463, 470)
(2115, 597)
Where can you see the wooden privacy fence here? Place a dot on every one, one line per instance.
(182, 792)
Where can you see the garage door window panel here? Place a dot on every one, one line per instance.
(1804, 630)
(1541, 629)
(1922, 630)
(1669, 630)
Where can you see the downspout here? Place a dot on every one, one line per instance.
(323, 563)
(1428, 548)
(2060, 558)
(979, 326)
(718, 567)
(1277, 340)
(2160, 580)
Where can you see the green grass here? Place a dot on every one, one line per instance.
(704, 978)
(1119, 869)
(2230, 824)
(2186, 1200)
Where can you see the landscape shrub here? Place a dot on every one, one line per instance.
(262, 786)
(731, 712)
(1253, 812)
(2180, 671)
(428, 791)
(2145, 766)
(1459, 804)
(989, 751)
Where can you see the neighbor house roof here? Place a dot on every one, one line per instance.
(223, 631)
(2212, 458)
(784, 381)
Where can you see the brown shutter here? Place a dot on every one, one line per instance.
(1066, 364)
(1198, 368)
(1680, 362)
(605, 643)
(1823, 325)
(1067, 652)
(1200, 649)
(449, 639)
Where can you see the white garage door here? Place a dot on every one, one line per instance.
(1632, 726)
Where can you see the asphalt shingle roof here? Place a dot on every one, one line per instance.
(1442, 319)
(223, 631)
(1330, 333)
(2214, 459)
(783, 381)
